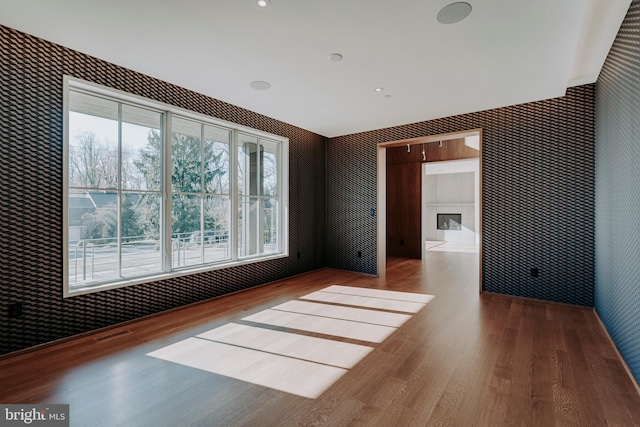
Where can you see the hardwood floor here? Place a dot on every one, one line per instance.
(462, 359)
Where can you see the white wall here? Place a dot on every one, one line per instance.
(451, 187)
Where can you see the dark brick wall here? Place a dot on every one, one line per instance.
(537, 195)
(31, 75)
(537, 190)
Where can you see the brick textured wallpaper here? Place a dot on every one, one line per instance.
(617, 285)
(31, 72)
(537, 194)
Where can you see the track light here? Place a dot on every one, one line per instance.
(263, 3)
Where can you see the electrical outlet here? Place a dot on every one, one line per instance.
(535, 272)
(16, 310)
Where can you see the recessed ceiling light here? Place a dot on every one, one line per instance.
(379, 89)
(454, 12)
(263, 3)
(387, 96)
(260, 85)
(335, 57)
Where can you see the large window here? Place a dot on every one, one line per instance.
(257, 196)
(200, 203)
(153, 191)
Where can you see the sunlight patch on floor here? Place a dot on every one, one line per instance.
(319, 350)
(322, 325)
(362, 301)
(346, 313)
(379, 293)
(299, 377)
(473, 248)
(291, 361)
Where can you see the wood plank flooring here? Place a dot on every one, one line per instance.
(462, 360)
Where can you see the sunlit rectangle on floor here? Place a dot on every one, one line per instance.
(346, 313)
(433, 243)
(456, 247)
(299, 377)
(323, 325)
(320, 350)
(360, 301)
(379, 293)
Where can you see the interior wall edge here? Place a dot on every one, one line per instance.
(617, 230)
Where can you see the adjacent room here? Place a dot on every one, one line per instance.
(279, 212)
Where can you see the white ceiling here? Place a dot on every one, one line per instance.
(506, 52)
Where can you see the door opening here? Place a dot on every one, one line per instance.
(441, 162)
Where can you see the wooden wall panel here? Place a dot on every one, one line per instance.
(453, 149)
(404, 191)
(404, 209)
(396, 155)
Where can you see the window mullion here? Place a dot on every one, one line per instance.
(259, 193)
(283, 199)
(119, 186)
(233, 195)
(202, 194)
(278, 198)
(165, 222)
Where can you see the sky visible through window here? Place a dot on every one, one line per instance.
(105, 129)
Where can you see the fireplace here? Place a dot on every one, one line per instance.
(449, 221)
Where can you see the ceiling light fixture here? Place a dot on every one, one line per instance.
(454, 12)
(379, 89)
(260, 85)
(263, 3)
(335, 57)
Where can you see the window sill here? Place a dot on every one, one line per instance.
(72, 292)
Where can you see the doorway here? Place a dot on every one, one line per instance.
(450, 208)
(441, 148)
